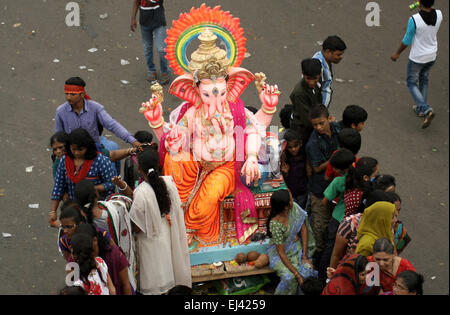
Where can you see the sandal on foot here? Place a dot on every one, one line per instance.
(151, 77)
(421, 115)
(165, 78)
(427, 121)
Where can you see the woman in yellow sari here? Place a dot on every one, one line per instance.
(377, 222)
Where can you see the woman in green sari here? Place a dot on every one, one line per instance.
(291, 243)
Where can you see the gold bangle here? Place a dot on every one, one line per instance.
(252, 154)
(158, 125)
(269, 112)
(122, 189)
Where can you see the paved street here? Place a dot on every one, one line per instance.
(39, 52)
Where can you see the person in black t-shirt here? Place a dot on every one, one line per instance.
(153, 24)
(306, 95)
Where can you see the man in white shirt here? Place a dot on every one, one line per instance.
(421, 35)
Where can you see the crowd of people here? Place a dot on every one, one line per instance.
(352, 209)
(100, 229)
(338, 218)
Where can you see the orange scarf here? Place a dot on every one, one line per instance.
(70, 169)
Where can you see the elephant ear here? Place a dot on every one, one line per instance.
(184, 88)
(238, 80)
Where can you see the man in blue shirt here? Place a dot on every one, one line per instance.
(421, 35)
(333, 49)
(80, 111)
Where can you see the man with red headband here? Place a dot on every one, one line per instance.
(80, 111)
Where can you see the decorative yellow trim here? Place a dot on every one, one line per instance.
(221, 231)
(245, 213)
(201, 177)
(250, 220)
(246, 219)
(247, 233)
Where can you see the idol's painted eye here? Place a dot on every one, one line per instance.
(223, 93)
(205, 94)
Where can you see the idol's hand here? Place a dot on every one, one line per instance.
(251, 170)
(269, 95)
(175, 140)
(152, 111)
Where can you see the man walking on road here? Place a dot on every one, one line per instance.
(421, 35)
(332, 52)
(153, 23)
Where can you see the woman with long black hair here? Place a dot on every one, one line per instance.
(94, 276)
(111, 215)
(82, 161)
(291, 243)
(158, 223)
(112, 255)
(349, 278)
(358, 184)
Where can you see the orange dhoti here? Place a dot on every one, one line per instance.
(202, 187)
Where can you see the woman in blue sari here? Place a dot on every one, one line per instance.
(81, 161)
(291, 243)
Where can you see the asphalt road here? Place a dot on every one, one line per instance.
(279, 35)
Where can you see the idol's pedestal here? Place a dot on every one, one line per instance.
(205, 260)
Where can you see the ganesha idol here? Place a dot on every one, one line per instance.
(210, 145)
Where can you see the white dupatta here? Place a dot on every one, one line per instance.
(118, 207)
(146, 215)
